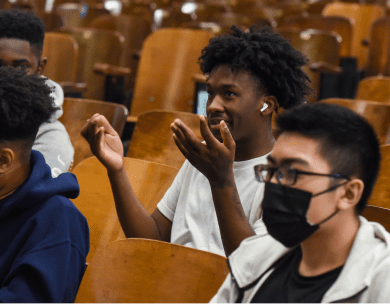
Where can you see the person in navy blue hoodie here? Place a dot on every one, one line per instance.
(44, 238)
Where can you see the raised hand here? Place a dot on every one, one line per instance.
(212, 158)
(104, 142)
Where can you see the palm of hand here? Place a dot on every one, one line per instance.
(111, 151)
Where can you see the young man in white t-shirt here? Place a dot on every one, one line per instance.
(250, 76)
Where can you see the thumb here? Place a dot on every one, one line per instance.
(98, 141)
(227, 137)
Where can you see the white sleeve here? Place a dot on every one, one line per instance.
(228, 292)
(167, 205)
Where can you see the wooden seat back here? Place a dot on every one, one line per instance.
(76, 113)
(381, 194)
(362, 17)
(62, 52)
(340, 25)
(376, 113)
(53, 21)
(95, 46)
(168, 61)
(318, 46)
(379, 49)
(152, 137)
(140, 270)
(379, 215)
(149, 180)
(80, 14)
(135, 29)
(376, 88)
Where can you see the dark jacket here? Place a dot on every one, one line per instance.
(44, 239)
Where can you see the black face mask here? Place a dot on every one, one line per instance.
(284, 213)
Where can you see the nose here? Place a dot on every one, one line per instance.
(214, 104)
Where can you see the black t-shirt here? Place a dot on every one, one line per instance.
(286, 285)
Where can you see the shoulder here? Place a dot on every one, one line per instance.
(254, 256)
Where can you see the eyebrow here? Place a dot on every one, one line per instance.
(225, 86)
(289, 161)
(21, 61)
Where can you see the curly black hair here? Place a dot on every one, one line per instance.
(25, 103)
(271, 59)
(23, 25)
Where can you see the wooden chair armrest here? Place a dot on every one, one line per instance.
(325, 67)
(199, 78)
(112, 70)
(73, 87)
(131, 119)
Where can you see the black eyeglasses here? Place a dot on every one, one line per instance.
(285, 175)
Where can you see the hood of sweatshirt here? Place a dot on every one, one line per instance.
(58, 96)
(39, 186)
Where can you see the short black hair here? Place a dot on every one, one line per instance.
(25, 103)
(270, 58)
(23, 25)
(348, 142)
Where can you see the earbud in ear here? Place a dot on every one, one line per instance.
(264, 107)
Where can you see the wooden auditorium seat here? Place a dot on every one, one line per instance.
(322, 50)
(149, 180)
(152, 137)
(376, 113)
(76, 113)
(62, 52)
(378, 62)
(135, 29)
(381, 194)
(80, 14)
(362, 17)
(148, 271)
(169, 58)
(97, 47)
(376, 88)
(379, 215)
(340, 25)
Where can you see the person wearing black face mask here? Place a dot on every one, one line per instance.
(318, 179)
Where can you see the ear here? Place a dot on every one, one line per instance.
(272, 104)
(41, 66)
(7, 157)
(353, 193)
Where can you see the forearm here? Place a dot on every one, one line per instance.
(136, 222)
(233, 223)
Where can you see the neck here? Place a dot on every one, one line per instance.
(259, 144)
(328, 248)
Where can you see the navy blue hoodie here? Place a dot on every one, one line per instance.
(44, 239)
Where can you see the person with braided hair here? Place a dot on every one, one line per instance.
(214, 202)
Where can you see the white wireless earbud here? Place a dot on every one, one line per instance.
(264, 107)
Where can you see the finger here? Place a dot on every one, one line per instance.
(102, 121)
(227, 137)
(182, 139)
(84, 130)
(209, 138)
(187, 136)
(182, 149)
(97, 141)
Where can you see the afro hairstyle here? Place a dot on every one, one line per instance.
(23, 25)
(25, 103)
(270, 58)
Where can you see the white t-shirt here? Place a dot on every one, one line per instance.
(188, 203)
